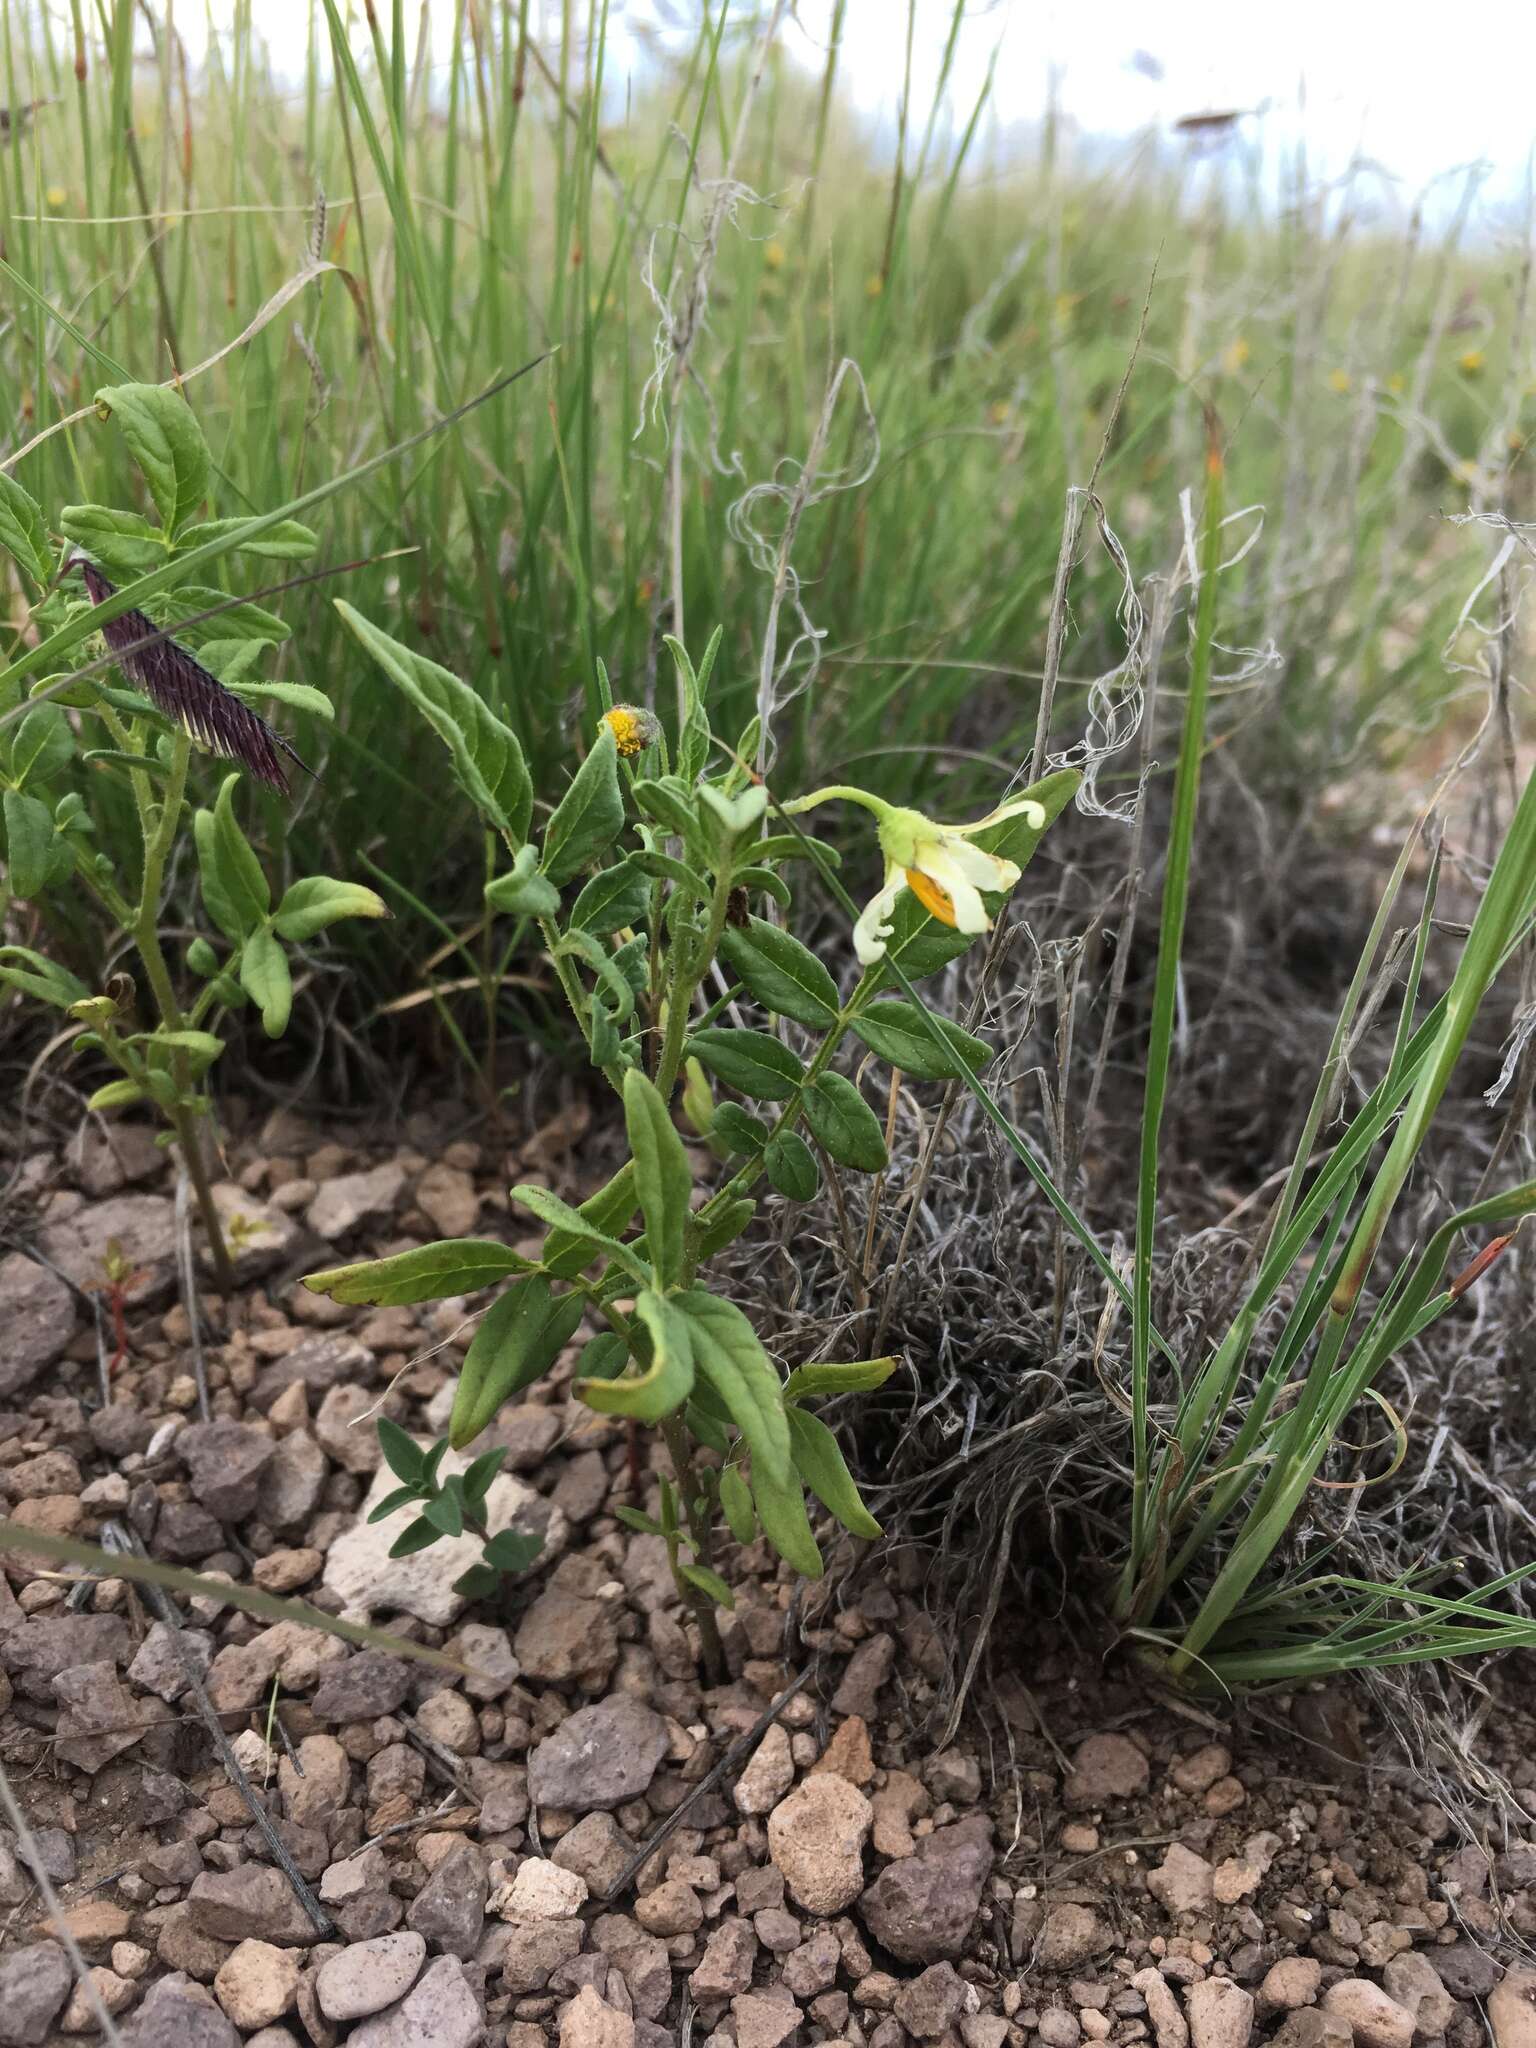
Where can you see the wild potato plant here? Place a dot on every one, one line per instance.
(85, 728)
(646, 888)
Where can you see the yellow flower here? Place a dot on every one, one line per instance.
(874, 286)
(56, 196)
(1470, 362)
(633, 729)
(945, 871)
(998, 412)
(1397, 383)
(773, 255)
(1340, 381)
(1234, 355)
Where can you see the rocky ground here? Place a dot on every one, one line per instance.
(1083, 1864)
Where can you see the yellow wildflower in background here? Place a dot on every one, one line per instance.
(56, 196)
(1235, 355)
(1471, 361)
(998, 412)
(874, 287)
(1397, 383)
(773, 255)
(1340, 381)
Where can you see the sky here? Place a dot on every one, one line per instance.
(1419, 93)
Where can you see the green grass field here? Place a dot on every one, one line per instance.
(511, 204)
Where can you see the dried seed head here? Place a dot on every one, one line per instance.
(180, 687)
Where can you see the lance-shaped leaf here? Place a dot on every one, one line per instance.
(487, 757)
(785, 976)
(820, 1464)
(728, 1354)
(588, 817)
(430, 1273)
(516, 1344)
(663, 1180)
(666, 1377)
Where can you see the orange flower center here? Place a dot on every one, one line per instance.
(936, 901)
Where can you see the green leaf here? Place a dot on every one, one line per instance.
(781, 1510)
(736, 1505)
(266, 980)
(402, 1454)
(729, 1355)
(589, 817)
(558, 1215)
(392, 1503)
(632, 1518)
(727, 1226)
(166, 442)
(40, 977)
(431, 1272)
(737, 1129)
(446, 1511)
(115, 1095)
(820, 1464)
(287, 541)
(184, 607)
(666, 1376)
(311, 905)
(478, 1583)
(922, 944)
(618, 897)
(487, 758)
(663, 1178)
(419, 1535)
(524, 892)
(235, 889)
(512, 1550)
(661, 867)
(126, 544)
(694, 740)
(609, 1211)
(24, 531)
(707, 1582)
(28, 843)
(750, 1061)
(843, 1122)
(732, 816)
(44, 744)
(517, 1342)
(297, 696)
(603, 1357)
(478, 1477)
(201, 1047)
(806, 1381)
(897, 1032)
(766, 882)
(668, 802)
(791, 1166)
(785, 976)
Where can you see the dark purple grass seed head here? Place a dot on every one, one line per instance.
(179, 686)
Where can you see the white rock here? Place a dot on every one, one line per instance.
(1220, 2014)
(369, 1975)
(1168, 2023)
(543, 1890)
(769, 1773)
(1375, 2020)
(362, 1574)
(1512, 2010)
